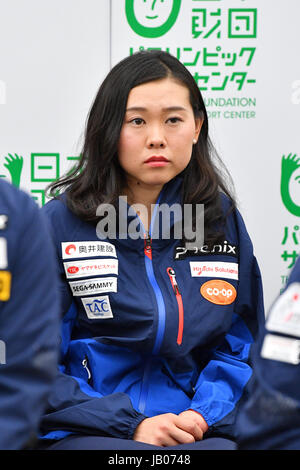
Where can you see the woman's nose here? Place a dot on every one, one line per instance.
(156, 139)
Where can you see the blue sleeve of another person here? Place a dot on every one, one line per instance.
(270, 419)
(29, 325)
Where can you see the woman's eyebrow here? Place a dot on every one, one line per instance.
(169, 108)
(136, 108)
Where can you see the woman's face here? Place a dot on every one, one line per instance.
(158, 133)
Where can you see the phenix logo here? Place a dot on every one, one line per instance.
(225, 248)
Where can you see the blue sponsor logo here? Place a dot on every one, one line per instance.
(98, 307)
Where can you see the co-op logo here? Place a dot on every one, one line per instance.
(218, 292)
(152, 18)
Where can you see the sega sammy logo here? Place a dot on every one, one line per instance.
(97, 307)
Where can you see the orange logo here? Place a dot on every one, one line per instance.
(218, 292)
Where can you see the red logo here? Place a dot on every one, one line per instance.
(218, 292)
(73, 270)
(70, 248)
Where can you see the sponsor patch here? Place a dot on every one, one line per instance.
(90, 267)
(284, 316)
(3, 221)
(214, 269)
(5, 285)
(278, 348)
(218, 292)
(97, 307)
(225, 248)
(87, 249)
(3, 253)
(94, 286)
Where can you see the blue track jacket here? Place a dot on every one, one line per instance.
(149, 327)
(29, 317)
(270, 419)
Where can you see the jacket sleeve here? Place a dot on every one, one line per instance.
(270, 418)
(74, 406)
(29, 323)
(221, 385)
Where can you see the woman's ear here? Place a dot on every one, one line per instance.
(198, 125)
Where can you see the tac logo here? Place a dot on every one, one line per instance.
(218, 292)
(97, 307)
(152, 18)
(290, 183)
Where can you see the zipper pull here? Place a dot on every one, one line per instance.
(85, 365)
(171, 274)
(148, 246)
(172, 277)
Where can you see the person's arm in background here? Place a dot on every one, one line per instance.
(270, 418)
(29, 324)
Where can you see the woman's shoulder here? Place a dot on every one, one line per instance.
(228, 205)
(61, 219)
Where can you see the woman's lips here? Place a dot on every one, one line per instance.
(156, 161)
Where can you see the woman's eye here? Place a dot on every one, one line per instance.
(174, 120)
(137, 121)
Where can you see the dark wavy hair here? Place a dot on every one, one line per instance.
(98, 177)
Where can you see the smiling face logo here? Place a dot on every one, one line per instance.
(290, 182)
(152, 18)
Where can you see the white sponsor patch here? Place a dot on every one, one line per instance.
(3, 253)
(278, 348)
(87, 249)
(3, 221)
(90, 267)
(284, 316)
(214, 269)
(94, 286)
(97, 307)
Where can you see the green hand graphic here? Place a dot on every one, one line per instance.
(147, 30)
(288, 166)
(14, 166)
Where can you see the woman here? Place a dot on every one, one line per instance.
(156, 331)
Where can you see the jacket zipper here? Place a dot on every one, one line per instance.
(171, 274)
(157, 292)
(85, 366)
(161, 319)
(148, 246)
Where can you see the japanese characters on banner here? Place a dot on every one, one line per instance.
(231, 47)
(243, 54)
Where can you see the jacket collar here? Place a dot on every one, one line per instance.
(167, 213)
